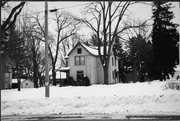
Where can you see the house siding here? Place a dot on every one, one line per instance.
(85, 68)
(100, 71)
(93, 68)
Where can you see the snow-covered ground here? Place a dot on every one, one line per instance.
(134, 98)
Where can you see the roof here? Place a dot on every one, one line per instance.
(64, 69)
(91, 49)
(22, 80)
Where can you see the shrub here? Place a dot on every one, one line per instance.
(175, 85)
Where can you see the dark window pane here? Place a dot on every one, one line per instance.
(79, 50)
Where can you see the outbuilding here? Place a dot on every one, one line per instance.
(25, 83)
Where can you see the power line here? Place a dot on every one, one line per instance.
(52, 10)
(56, 9)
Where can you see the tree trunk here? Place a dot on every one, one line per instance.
(35, 70)
(40, 79)
(106, 75)
(54, 75)
(35, 75)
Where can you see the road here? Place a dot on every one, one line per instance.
(91, 118)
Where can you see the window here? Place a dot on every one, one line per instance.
(79, 60)
(113, 74)
(112, 62)
(79, 50)
(116, 73)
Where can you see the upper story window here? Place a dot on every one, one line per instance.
(79, 60)
(79, 50)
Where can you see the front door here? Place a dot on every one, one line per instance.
(80, 75)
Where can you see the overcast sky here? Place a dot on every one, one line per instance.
(136, 11)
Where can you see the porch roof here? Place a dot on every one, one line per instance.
(64, 69)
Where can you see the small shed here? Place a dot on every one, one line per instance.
(27, 84)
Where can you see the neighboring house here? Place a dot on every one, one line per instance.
(59, 76)
(6, 72)
(25, 83)
(84, 61)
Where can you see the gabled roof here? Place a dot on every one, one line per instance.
(91, 50)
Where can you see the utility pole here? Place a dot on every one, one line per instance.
(46, 52)
(179, 38)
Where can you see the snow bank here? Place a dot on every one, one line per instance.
(138, 98)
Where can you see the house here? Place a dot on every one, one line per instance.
(6, 65)
(24, 83)
(83, 60)
(60, 75)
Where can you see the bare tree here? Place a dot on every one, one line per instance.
(11, 19)
(34, 47)
(143, 29)
(104, 19)
(8, 22)
(66, 26)
(66, 45)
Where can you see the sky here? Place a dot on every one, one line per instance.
(141, 11)
(137, 11)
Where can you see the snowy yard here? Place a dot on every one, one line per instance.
(134, 98)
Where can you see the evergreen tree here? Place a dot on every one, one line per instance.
(140, 54)
(94, 40)
(164, 38)
(123, 59)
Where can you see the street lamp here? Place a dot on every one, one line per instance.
(46, 52)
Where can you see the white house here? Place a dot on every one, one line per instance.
(84, 61)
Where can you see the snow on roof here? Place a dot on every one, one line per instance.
(15, 80)
(91, 49)
(64, 68)
(94, 50)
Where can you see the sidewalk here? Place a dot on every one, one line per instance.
(79, 117)
(154, 116)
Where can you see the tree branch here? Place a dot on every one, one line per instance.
(7, 23)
